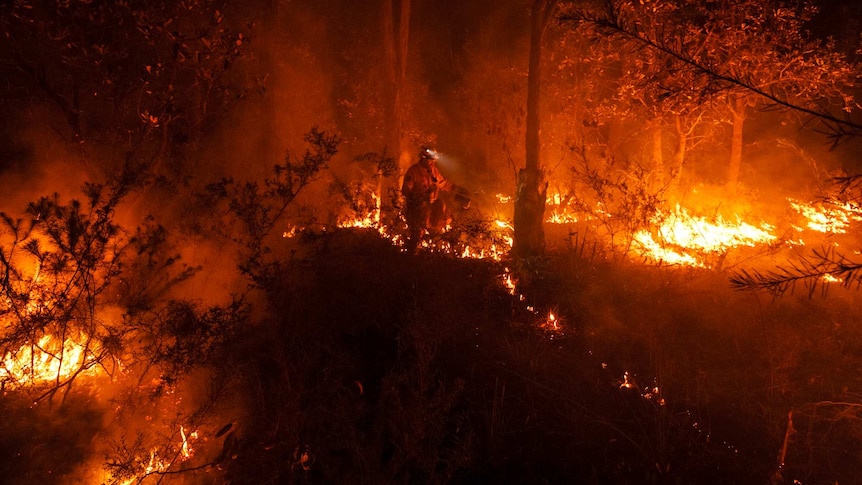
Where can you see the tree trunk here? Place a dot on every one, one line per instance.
(530, 196)
(531, 189)
(738, 111)
(678, 156)
(657, 154)
(395, 45)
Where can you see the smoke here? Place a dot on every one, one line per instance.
(40, 161)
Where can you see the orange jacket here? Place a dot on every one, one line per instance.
(423, 183)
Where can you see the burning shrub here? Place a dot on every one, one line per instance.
(618, 201)
(58, 264)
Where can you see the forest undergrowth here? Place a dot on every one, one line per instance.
(374, 366)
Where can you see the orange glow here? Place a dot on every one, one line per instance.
(691, 237)
(681, 238)
(827, 217)
(49, 359)
(508, 281)
(828, 278)
(560, 214)
(551, 325)
(157, 464)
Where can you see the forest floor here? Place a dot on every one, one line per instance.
(374, 366)
(643, 374)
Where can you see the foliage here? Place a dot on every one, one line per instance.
(253, 210)
(821, 268)
(384, 164)
(182, 337)
(83, 293)
(148, 73)
(620, 198)
(58, 264)
(746, 47)
(817, 271)
(176, 345)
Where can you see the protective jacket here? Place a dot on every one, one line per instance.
(423, 183)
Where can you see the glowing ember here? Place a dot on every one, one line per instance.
(551, 325)
(48, 360)
(508, 281)
(627, 382)
(828, 278)
(649, 393)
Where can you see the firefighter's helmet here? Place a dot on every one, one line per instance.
(427, 153)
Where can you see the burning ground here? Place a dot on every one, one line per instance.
(595, 363)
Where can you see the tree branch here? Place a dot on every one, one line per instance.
(612, 24)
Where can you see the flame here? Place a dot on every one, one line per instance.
(686, 238)
(828, 278)
(677, 237)
(627, 382)
(186, 449)
(508, 281)
(551, 325)
(656, 252)
(158, 464)
(681, 238)
(564, 217)
(829, 217)
(560, 214)
(370, 220)
(49, 359)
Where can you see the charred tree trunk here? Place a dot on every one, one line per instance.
(531, 187)
(738, 113)
(530, 197)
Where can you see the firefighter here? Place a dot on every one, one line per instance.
(424, 211)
